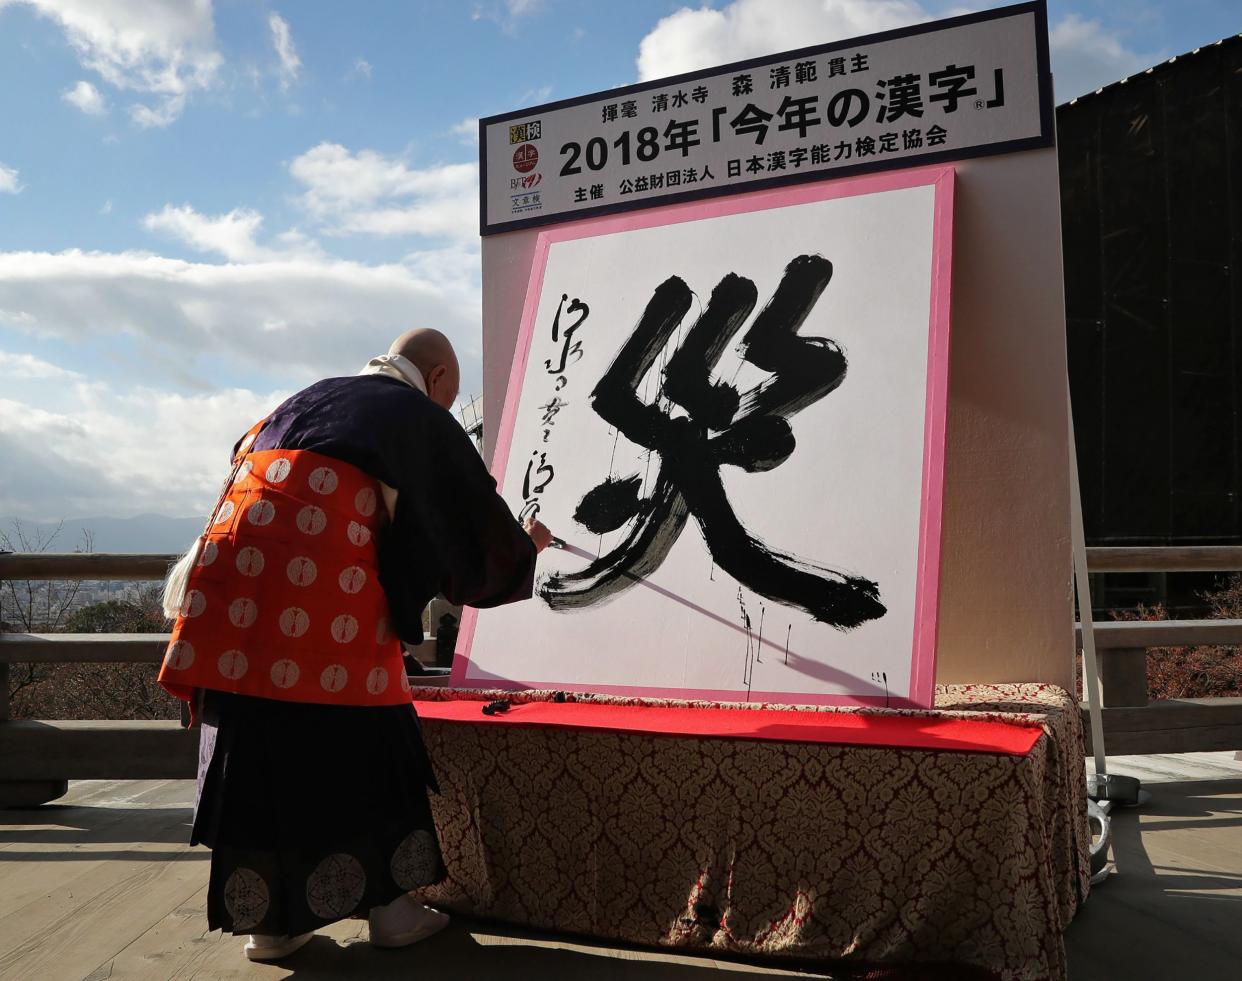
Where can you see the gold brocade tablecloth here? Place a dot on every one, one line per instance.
(877, 857)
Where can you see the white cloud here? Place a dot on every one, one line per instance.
(165, 49)
(27, 366)
(93, 443)
(86, 98)
(1085, 56)
(102, 450)
(179, 317)
(506, 13)
(369, 193)
(467, 130)
(362, 69)
(282, 41)
(230, 235)
(534, 96)
(9, 183)
(106, 209)
(163, 113)
(692, 39)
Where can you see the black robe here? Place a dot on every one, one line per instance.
(452, 533)
(319, 812)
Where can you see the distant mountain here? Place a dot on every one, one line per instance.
(155, 533)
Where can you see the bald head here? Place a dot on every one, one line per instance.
(432, 353)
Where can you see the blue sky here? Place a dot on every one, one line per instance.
(204, 206)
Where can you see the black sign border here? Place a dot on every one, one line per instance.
(1046, 137)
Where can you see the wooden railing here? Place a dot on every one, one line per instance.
(37, 757)
(1132, 724)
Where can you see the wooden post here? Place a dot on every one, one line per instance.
(1123, 676)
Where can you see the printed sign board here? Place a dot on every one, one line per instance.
(733, 411)
(967, 86)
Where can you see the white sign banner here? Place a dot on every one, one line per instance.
(740, 442)
(967, 86)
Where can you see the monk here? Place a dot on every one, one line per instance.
(347, 509)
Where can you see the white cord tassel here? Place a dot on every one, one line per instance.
(177, 579)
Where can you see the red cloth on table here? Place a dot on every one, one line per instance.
(783, 725)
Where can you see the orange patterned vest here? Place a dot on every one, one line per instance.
(285, 600)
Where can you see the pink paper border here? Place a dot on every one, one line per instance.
(927, 587)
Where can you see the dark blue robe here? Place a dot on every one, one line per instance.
(319, 812)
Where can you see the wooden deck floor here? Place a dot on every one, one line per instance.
(1173, 906)
(101, 885)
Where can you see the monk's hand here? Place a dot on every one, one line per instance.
(538, 532)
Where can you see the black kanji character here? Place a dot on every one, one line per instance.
(537, 486)
(681, 135)
(799, 114)
(550, 408)
(905, 98)
(952, 83)
(751, 119)
(569, 347)
(721, 426)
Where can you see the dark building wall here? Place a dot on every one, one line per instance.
(1151, 197)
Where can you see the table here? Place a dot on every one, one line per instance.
(875, 856)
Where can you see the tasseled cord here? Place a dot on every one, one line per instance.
(178, 577)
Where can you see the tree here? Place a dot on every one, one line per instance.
(1206, 671)
(79, 691)
(113, 691)
(141, 616)
(35, 606)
